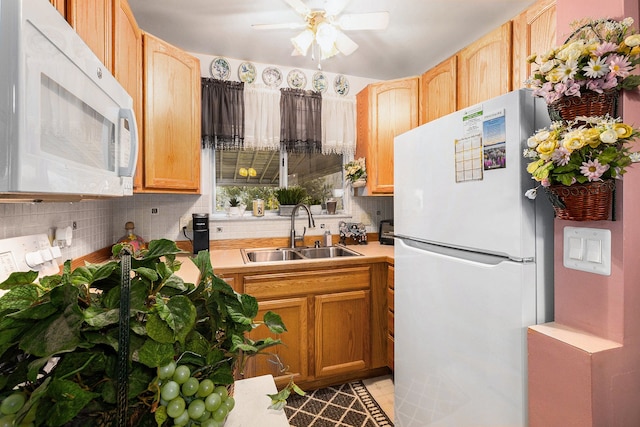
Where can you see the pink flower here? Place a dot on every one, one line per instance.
(593, 170)
(619, 66)
(573, 88)
(604, 48)
(545, 182)
(610, 82)
(561, 156)
(595, 85)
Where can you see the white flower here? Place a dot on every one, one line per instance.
(596, 68)
(531, 193)
(635, 157)
(632, 40)
(609, 136)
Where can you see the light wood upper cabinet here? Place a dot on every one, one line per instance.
(127, 68)
(60, 5)
(384, 110)
(484, 67)
(438, 90)
(534, 31)
(93, 21)
(171, 161)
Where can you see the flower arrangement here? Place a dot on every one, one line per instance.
(583, 150)
(599, 56)
(356, 170)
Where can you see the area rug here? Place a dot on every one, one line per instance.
(345, 405)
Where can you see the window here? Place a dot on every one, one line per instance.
(248, 175)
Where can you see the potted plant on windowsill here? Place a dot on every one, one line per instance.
(289, 197)
(59, 352)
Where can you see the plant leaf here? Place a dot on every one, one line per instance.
(154, 353)
(69, 400)
(274, 322)
(19, 297)
(19, 278)
(58, 333)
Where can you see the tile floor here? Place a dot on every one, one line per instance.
(381, 388)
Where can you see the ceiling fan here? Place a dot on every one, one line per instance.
(325, 27)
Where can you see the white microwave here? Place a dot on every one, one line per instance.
(67, 127)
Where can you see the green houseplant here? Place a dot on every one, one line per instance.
(60, 337)
(288, 197)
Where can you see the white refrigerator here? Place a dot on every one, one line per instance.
(473, 265)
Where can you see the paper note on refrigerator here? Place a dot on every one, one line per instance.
(468, 158)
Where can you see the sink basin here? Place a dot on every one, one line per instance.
(327, 252)
(290, 254)
(268, 255)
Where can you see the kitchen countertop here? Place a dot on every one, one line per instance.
(229, 261)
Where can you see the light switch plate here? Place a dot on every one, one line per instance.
(587, 249)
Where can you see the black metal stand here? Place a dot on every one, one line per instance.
(123, 337)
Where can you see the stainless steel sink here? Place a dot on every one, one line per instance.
(268, 255)
(291, 254)
(327, 252)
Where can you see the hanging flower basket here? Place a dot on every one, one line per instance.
(359, 183)
(587, 104)
(591, 201)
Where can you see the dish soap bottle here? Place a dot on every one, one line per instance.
(327, 238)
(136, 242)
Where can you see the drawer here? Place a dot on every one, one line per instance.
(390, 297)
(390, 322)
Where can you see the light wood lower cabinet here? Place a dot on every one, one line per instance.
(342, 333)
(328, 314)
(290, 359)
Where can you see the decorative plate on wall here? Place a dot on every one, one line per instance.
(247, 72)
(341, 85)
(272, 77)
(219, 69)
(320, 82)
(296, 79)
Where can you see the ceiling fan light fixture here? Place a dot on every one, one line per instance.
(302, 42)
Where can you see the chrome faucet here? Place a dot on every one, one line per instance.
(312, 224)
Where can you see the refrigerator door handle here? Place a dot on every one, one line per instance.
(462, 253)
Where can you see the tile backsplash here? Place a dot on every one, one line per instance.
(99, 223)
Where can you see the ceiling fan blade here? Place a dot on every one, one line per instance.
(298, 6)
(334, 7)
(286, 26)
(364, 21)
(345, 44)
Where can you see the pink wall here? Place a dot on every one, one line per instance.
(568, 383)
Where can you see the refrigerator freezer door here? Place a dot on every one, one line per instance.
(490, 215)
(460, 339)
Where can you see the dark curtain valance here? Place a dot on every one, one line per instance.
(222, 114)
(300, 120)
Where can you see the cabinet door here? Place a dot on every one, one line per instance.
(484, 67)
(93, 21)
(289, 359)
(534, 31)
(172, 118)
(393, 108)
(391, 319)
(60, 5)
(127, 67)
(438, 90)
(342, 333)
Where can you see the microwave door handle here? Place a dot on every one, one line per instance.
(130, 169)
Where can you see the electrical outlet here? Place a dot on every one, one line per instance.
(185, 221)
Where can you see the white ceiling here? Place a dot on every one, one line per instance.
(421, 33)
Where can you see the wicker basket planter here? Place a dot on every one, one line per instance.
(588, 104)
(591, 201)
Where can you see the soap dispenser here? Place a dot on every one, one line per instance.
(328, 241)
